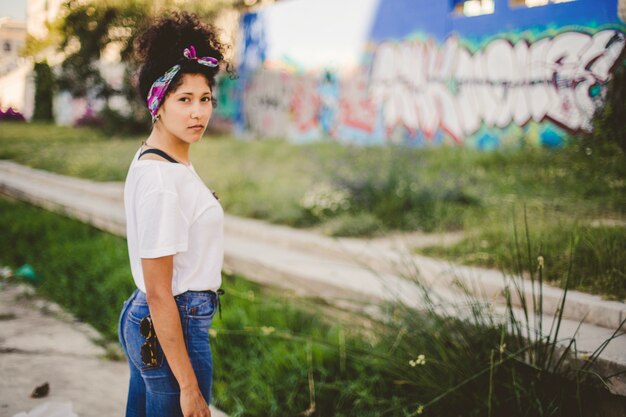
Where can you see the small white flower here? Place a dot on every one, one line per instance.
(5, 272)
(324, 198)
(421, 360)
(267, 330)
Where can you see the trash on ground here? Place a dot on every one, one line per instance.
(50, 409)
(41, 391)
(26, 271)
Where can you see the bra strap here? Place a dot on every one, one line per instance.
(158, 152)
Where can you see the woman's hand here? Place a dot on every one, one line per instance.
(193, 404)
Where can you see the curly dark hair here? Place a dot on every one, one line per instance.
(161, 46)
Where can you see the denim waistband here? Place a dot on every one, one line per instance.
(183, 299)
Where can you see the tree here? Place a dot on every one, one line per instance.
(85, 28)
(44, 91)
(86, 32)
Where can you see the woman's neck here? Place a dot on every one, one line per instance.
(170, 144)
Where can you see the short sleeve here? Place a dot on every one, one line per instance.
(162, 227)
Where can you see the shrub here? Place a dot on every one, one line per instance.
(11, 116)
(388, 187)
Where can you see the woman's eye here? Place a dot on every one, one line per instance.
(184, 99)
(206, 98)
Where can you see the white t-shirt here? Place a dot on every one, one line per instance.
(170, 211)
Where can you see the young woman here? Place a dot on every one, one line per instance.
(174, 226)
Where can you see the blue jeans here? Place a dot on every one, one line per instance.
(153, 389)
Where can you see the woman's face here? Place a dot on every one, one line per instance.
(186, 111)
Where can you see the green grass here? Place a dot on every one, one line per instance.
(278, 355)
(598, 264)
(82, 268)
(366, 191)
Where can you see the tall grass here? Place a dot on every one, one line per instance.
(278, 355)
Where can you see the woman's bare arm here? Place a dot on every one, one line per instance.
(157, 274)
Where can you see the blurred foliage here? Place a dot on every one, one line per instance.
(353, 225)
(610, 120)
(86, 29)
(390, 184)
(279, 355)
(44, 92)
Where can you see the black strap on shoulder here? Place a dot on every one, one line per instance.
(158, 152)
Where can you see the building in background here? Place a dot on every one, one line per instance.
(12, 38)
(16, 73)
(13, 68)
(481, 73)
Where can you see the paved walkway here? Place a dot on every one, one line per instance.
(365, 271)
(40, 343)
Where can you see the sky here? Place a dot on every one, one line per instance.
(15, 9)
(322, 32)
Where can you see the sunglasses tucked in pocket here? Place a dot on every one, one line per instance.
(143, 345)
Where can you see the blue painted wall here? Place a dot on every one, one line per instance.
(397, 19)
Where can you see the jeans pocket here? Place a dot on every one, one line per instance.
(135, 341)
(202, 311)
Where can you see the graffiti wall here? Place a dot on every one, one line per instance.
(518, 75)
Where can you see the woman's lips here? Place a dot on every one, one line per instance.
(196, 127)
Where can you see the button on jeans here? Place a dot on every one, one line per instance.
(153, 389)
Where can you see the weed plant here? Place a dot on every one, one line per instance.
(278, 355)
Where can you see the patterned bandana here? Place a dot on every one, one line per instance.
(159, 88)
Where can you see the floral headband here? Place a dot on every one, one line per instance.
(159, 88)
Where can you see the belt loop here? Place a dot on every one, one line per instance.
(219, 304)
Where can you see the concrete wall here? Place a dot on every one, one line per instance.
(427, 75)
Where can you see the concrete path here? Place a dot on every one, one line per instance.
(40, 343)
(361, 271)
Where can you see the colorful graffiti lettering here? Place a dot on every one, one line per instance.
(305, 105)
(266, 104)
(427, 76)
(427, 89)
(358, 110)
(424, 87)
